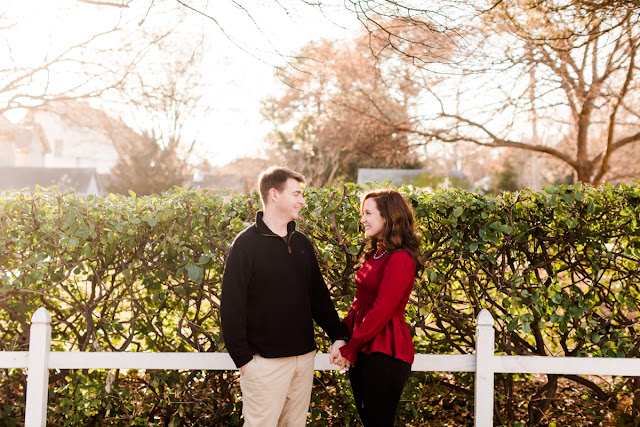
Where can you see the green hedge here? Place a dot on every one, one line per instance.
(557, 269)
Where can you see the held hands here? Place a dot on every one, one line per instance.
(336, 357)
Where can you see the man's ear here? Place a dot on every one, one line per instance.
(273, 194)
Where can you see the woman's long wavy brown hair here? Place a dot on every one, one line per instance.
(399, 230)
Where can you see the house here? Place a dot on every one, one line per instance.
(234, 182)
(239, 176)
(64, 143)
(22, 144)
(64, 134)
(84, 181)
(77, 135)
(397, 176)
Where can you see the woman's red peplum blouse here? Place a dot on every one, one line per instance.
(376, 317)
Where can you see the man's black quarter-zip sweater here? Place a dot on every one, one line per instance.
(272, 291)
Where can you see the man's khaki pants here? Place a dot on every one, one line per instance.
(276, 392)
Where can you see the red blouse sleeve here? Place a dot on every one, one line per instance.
(399, 274)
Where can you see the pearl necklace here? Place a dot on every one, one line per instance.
(376, 256)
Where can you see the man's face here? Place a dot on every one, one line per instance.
(290, 200)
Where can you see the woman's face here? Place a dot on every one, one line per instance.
(371, 218)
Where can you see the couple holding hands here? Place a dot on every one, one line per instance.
(273, 291)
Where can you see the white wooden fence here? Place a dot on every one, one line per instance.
(39, 359)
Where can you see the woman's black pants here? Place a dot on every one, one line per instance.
(377, 381)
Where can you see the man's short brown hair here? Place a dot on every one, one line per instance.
(276, 177)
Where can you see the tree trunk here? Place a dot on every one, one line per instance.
(541, 401)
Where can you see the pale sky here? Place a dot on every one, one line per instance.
(239, 73)
(248, 77)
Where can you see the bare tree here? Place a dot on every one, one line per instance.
(570, 68)
(389, 20)
(338, 114)
(145, 69)
(581, 67)
(97, 64)
(166, 106)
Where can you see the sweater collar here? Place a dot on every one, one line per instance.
(262, 227)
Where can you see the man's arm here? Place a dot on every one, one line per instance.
(233, 305)
(324, 313)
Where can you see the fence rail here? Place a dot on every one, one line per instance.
(40, 359)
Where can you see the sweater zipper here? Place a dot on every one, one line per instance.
(283, 239)
(287, 242)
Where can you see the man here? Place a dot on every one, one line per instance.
(272, 291)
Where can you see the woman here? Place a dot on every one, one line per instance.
(380, 352)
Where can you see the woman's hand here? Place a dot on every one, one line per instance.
(336, 357)
(334, 350)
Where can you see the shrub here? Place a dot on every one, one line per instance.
(558, 270)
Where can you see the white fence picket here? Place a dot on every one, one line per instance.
(38, 374)
(485, 369)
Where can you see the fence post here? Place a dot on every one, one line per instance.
(483, 393)
(38, 369)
